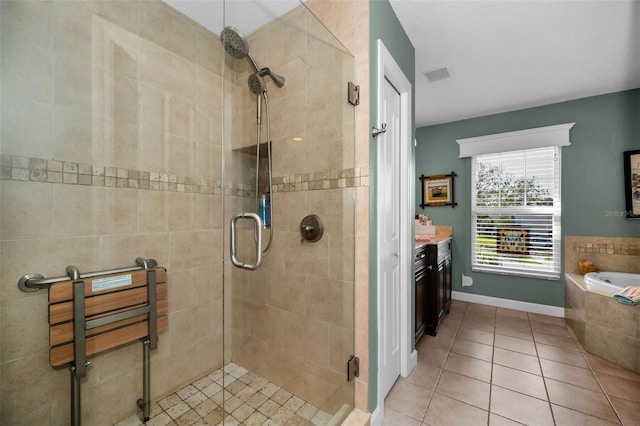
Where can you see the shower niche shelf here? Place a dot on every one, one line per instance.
(251, 149)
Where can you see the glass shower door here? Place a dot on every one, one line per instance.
(289, 325)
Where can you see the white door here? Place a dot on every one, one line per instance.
(389, 240)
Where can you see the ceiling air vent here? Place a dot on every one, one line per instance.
(438, 74)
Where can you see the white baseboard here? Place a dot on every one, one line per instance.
(405, 371)
(377, 417)
(555, 311)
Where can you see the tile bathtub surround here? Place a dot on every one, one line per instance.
(612, 330)
(607, 253)
(492, 365)
(574, 305)
(602, 325)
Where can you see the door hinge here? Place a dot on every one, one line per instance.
(353, 93)
(353, 368)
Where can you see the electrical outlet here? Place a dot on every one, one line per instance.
(466, 281)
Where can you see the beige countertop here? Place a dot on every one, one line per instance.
(442, 233)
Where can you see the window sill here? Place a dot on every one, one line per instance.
(549, 276)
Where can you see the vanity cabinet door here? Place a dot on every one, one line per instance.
(420, 302)
(438, 287)
(420, 286)
(440, 307)
(446, 287)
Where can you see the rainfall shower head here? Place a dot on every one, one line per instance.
(234, 43)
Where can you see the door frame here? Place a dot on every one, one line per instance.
(388, 69)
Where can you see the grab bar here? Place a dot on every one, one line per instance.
(35, 282)
(71, 303)
(258, 238)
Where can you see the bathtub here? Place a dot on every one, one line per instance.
(609, 283)
(604, 326)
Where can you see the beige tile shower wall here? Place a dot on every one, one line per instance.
(293, 322)
(349, 22)
(111, 149)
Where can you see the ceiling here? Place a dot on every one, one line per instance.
(246, 15)
(509, 55)
(501, 55)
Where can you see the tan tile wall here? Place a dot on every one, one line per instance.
(349, 21)
(111, 149)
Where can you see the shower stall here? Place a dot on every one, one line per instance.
(131, 130)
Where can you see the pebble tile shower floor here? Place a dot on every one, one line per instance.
(248, 400)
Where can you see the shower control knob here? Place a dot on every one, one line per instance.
(311, 228)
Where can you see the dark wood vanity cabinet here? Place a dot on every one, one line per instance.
(432, 286)
(421, 279)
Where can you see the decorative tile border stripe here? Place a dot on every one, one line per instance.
(19, 168)
(609, 248)
(331, 179)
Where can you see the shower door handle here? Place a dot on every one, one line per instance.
(258, 239)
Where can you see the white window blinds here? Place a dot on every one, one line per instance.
(516, 212)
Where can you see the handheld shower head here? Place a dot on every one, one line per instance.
(257, 86)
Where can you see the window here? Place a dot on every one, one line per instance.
(515, 201)
(516, 212)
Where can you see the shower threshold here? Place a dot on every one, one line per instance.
(231, 396)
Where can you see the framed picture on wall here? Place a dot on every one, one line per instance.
(632, 183)
(437, 190)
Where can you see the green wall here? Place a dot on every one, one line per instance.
(383, 25)
(592, 181)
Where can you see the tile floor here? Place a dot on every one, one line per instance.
(248, 400)
(494, 366)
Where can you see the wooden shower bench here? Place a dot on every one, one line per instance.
(99, 311)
